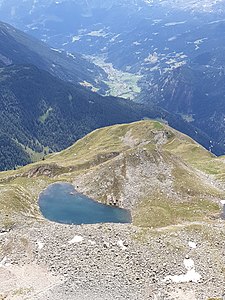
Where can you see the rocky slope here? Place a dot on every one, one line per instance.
(41, 263)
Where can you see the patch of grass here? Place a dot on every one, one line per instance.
(198, 157)
(22, 291)
(8, 223)
(89, 85)
(186, 182)
(20, 195)
(44, 117)
(158, 210)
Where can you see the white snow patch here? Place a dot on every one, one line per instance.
(92, 242)
(189, 264)
(5, 262)
(40, 245)
(190, 276)
(71, 55)
(120, 244)
(76, 239)
(175, 23)
(56, 50)
(192, 245)
(75, 39)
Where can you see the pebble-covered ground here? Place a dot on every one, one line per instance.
(112, 261)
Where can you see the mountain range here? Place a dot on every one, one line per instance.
(17, 47)
(143, 51)
(42, 113)
(125, 107)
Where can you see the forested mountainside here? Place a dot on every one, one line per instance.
(40, 114)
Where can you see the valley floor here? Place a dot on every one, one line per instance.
(45, 260)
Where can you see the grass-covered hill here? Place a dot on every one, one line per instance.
(163, 176)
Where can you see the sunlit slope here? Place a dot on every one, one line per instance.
(163, 176)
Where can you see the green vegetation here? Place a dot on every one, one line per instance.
(121, 84)
(43, 117)
(159, 210)
(12, 154)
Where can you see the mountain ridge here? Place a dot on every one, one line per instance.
(152, 158)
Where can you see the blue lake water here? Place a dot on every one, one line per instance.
(61, 203)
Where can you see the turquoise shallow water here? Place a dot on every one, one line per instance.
(61, 203)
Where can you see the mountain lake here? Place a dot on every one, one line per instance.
(61, 203)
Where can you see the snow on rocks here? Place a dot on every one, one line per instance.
(40, 245)
(192, 245)
(76, 239)
(92, 242)
(5, 262)
(190, 276)
(121, 245)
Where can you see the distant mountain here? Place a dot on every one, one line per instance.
(162, 50)
(17, 47)
(197, 93)
(156, 35)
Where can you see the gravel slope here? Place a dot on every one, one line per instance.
(110, 261)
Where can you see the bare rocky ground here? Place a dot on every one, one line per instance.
(45, 260)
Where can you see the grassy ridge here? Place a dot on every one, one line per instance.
(162, 175)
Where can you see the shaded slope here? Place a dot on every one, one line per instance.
(42, 114)
(17, 47)
(196, 92)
